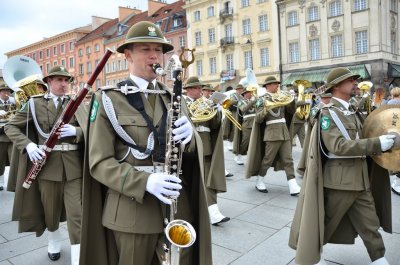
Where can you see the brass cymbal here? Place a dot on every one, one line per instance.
(385, 120)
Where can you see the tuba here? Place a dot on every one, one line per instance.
(303, 112)
(21, 73)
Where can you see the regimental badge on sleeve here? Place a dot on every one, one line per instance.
(325, 122)
(93, 112)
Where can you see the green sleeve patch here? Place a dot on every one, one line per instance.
(325, 122)
(93, 112)
(314, 111)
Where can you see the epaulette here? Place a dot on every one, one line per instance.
(110, 87)
(37, 96)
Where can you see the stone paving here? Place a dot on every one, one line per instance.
(257, 233)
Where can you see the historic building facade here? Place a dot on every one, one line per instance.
(319, 35)
(231, 36)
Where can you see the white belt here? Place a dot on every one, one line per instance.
(282, 120)
(249, 115)
(61, 147)
(201, 128)
(332, 155)
(150, 169)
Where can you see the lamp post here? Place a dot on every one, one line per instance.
(249, 41)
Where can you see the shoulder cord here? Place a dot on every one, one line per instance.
(109, 109)
(40, 131)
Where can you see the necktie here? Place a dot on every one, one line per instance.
(59, 103)
(151, 97)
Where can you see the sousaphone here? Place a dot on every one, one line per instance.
(385, 120)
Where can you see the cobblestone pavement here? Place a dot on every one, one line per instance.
(257, 233)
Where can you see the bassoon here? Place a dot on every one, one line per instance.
(64, 118)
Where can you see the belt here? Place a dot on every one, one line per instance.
(60, 147)
(249, 116)
(282, 120)
(150, 169)
(332, 155)
(202, 128)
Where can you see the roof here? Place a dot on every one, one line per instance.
(98, 32)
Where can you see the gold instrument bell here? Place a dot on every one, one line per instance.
(385, 120)
(303, 112)
(365, 86)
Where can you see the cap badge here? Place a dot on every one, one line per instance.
(152, 31)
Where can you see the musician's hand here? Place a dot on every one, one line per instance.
(184, 131)
(67, 130)
(163, 185)
(2, 112)
(35, 153)
(387, 141)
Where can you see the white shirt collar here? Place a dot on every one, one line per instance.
(55, 98)
(344, 103)
(140, 82)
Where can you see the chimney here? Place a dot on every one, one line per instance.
(154, 6)
(98, 21)
(124, 12)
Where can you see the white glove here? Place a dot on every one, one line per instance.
(184, 130)
(34, 152)
(2, 112)
(163, 185)
(67, 130)
(387, 141)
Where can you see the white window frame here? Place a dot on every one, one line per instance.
(229, 62)
(210, 11)
(263, 23)
(246, 25)
(248, 59)
(393, 42)
(314, 49)
(182, 41)
(361, 42)
(62, 48)
(313, 13)
(199, 67)
(294, 52)
(360, 5)
(71, 62)
(245, 3)
(197, 37)
(213, 65)
(335, 8)
(293, 18)
(211, 35)
(196, 15)
(264, 57)
(337, 46)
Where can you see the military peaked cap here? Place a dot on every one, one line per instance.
(338, 75)
(193, 82)
(271, 80)
(58, 71)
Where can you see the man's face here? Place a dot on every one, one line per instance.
(141, 57)
(5, 94)
(347, 87)
(194, 92)
(239, 91)
(247, 95)
(325, 100)
(207, 93)
(58, 85)
(272, 88)
(41, 88)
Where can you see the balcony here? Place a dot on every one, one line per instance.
(226, 41)
(227, 75)
(225, 13)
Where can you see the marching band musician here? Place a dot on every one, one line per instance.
(336, 202)
(7, 104)
(272, 142)
(126, 189)
(214, 166)
(58, 187)
(230, 129)
(236, 114)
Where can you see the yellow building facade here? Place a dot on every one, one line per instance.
(231, 36)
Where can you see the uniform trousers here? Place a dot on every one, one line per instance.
(359, 208)
(5, 155)
(244, 144)
(55, 195)
(300, 130)
(211, 193)
(272, 149)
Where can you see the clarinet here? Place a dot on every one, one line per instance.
(178, 233)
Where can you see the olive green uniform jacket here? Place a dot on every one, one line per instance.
(27, 208)
(124, 205)
(5, 142)
(307, 230)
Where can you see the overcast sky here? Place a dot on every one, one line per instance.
(24, 22)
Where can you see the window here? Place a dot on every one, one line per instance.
(71, 46)
(314, 50)
(126, 64)
(211, 35)
(177, 22)
(264, 54)
(98, 83)
(119, 65)
(360, 5)
(62, 48)
(313, 13)
(81, 69)
(113, 67)
(55, 63)
(294, 56)
(261, 1)
(54, 50)
(393, 5)
(335, 8)
(292, 18)
(63, 63)
(80, 52)
(47, 67)
(197, 36)
(393, 42)
(229, 62)
(246, 26)
(34, 56)
(263, 22)
(71, 62)
(96, 47)
(40, 55)
(199, 67)
(361, 42)
(228, 30)
(47, 53)
(107, 68)
(245, 3)
(196, 15)
(337, 46)
(213, 65)
(88, 67)
(182, 41)
(88, 50)
(96, 62)
(248, 60)
(210, 11)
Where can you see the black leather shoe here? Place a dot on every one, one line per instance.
(54, 256)
(228, 175)
(1, 188)
(224, 220)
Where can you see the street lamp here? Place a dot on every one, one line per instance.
(249, 41)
